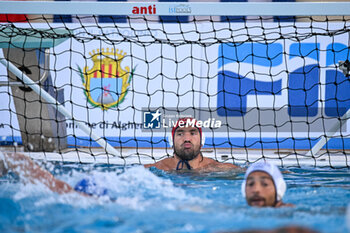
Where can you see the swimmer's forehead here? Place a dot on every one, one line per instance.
(259, 175)
(187, 129)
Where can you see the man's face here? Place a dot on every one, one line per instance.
(187, 142)
(260, 190)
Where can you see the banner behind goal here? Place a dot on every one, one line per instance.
(266, 81)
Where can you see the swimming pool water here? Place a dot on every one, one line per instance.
(156, 201)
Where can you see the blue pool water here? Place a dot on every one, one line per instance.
(156, 201)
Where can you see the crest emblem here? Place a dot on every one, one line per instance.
(106, 83)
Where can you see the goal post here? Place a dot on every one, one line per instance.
(263, 87)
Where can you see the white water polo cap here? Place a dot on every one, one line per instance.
(275, 174)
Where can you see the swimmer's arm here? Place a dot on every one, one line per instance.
(31, 172)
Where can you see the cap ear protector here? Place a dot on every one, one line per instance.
(171, 139)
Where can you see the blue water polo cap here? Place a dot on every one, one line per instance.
(275, 174)
(89, 186)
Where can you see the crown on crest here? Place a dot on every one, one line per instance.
(115, 54)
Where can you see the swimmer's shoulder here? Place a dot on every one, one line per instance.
(213, 162)
(282, 204)
(211, 165)
(166, 164)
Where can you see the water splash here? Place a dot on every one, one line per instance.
(133, 187)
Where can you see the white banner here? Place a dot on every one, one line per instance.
(118, 77)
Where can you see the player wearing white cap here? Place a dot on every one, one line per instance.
(264, 186)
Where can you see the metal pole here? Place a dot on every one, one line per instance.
(324, 139)
(35, 87)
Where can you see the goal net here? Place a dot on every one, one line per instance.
(105, 82)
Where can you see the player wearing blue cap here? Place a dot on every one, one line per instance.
(32, 173)
(264, 186)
